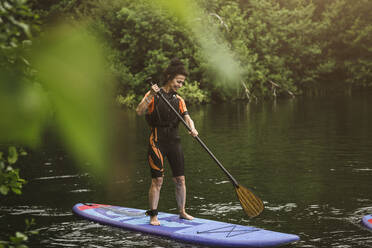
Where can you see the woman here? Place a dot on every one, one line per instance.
(164, 139)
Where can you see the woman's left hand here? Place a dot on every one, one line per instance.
(193, 132)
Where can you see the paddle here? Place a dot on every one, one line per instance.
(251, 204)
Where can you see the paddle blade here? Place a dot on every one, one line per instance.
(251, 204)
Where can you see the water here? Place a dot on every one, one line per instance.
(308, 159)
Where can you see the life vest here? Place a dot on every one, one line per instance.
(162, 115)
(161, 119)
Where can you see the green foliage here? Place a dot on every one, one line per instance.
(352, 44)
(20, 115)
(299, 45)
(63, 81)
(71, 68)
(144, 52)
(20, 239)
(20, 102)
(129, 100)
(58, 78)
(193, 94)
(9, 176)
(17, 24)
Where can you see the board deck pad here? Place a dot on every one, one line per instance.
(367, 221)
(197, 231)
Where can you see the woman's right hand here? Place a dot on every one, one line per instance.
(154, 89)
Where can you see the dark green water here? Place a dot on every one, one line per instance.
(310, 160)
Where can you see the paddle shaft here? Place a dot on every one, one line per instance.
(232, 179)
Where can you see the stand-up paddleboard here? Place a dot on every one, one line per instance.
(367, 221)
(197, 231)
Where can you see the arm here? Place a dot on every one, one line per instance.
(144, 104)
(190, 123)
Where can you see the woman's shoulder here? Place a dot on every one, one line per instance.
(179, 97)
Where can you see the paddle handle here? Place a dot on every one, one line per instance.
(232, 179)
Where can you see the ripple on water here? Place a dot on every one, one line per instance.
(363, 170)
(34, 211)
(81, 190)
(83, 233)
(219, 208)
(363, 211)
(61, 177)
(323, 211)
(340, 228)
(288, 207)
(222, 182)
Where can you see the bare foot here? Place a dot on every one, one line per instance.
(154, 221)
(186, 216)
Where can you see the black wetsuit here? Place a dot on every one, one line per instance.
(164, 140)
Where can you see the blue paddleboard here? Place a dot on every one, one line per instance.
(367, 221)
(197, 231)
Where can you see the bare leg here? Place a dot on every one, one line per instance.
(154, 194)
(181, 197)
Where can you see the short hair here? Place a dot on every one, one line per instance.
(176, 67)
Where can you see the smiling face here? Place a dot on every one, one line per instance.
(176, 83)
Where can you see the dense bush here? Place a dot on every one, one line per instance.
(193, 94)
(295, 46)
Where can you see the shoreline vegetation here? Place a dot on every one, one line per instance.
(283, 48)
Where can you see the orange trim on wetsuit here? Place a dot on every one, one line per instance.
(182, 105)
(160, 144)
(155, 148)
(155, 158)
(151, 106)
(152, 164)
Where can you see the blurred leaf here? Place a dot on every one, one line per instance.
(71, 66)
(221, 59)
(13, 155)
(29, 223)
(22, 152)
(21, 246)
(17, 191)
(24, 107)
(21, 236)
(18, 239)
(4, 189)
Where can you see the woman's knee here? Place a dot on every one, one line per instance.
(157, 182)
(179, 181)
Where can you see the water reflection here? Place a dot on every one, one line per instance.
(308, 160)
(81, 234)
